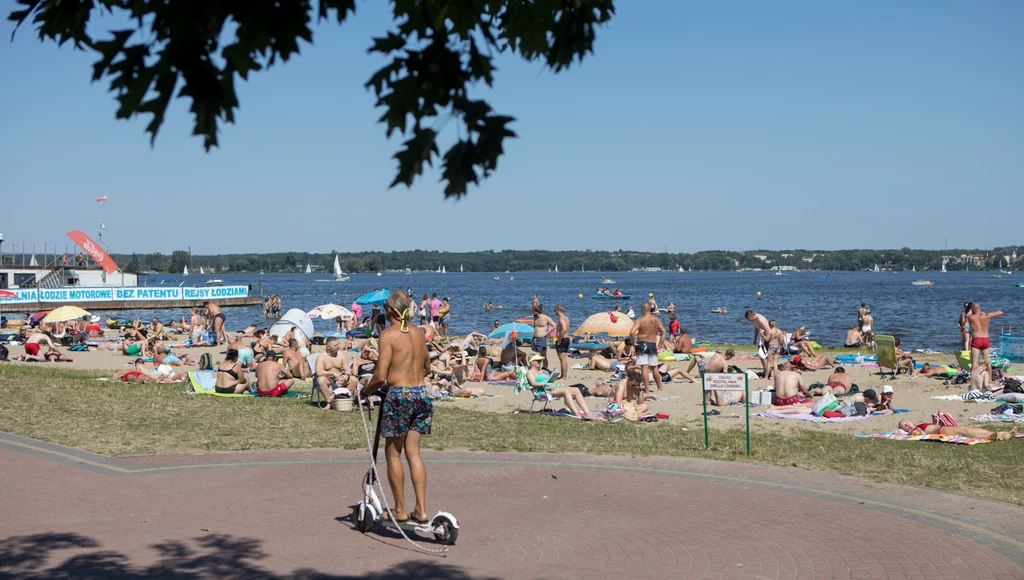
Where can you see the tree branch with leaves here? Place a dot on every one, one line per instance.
(439, 50)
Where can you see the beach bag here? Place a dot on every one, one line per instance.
(4, 352)
(944, 419)
(206, 362)
(1011, 385)
(826, 403)
(630, 412)
(79, 348)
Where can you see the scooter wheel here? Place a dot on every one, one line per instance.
(448, 534)
(363, 524)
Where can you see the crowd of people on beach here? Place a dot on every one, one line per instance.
(640, 363)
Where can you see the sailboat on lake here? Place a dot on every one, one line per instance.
(339, 274)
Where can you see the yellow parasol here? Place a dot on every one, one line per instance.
(602, 322)
(65, 313)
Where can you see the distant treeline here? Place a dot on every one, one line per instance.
(599, 261)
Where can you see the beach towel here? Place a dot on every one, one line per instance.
(203, 383)
(812, 418)
(903, 436)
(990, 418)
(973, 396)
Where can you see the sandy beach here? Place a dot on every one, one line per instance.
(682, 400)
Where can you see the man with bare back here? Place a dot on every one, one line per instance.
(542, 327)
(407, 411)
(761, 328)
(980, 345)
(791, 396)
(647, 332)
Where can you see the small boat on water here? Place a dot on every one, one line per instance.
(996, 276)
(607, 281)
(920, 282)
(612, 297)
(824, 277)
(214, 282)
(1020, 284)
(719, 310)
(339, 274)
(497, 278)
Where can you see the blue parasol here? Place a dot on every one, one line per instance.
(525, 331)
(374, 298)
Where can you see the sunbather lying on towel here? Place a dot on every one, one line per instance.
(973, 432)
(927, 370)
(838, 383)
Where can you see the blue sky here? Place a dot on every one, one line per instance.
(696, 125)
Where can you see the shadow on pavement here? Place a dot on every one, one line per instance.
(212, 555)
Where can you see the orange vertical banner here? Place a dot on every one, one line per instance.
(94, 250)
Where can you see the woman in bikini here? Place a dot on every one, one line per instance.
(973, 432)
(230, 378)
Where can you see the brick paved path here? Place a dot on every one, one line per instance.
(68, 513)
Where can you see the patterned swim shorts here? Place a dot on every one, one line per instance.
(406, 408)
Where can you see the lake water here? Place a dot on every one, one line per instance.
(924, 316)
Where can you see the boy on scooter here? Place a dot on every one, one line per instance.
(407, 411)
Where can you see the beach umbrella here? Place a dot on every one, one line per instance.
(602, 322)
(374, 298)
(525, 331)
(38, 317)
(7, 294)
(329, 312)
(65, 313)
(294, 318)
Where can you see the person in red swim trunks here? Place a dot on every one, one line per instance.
(136, 375)
(791, 396)
(973, 432)
(272, 379)
(977, 325)
(33, 345)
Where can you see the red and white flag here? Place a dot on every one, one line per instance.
(101, 199)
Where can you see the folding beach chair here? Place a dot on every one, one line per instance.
(963, 361)
(885, 350)
(539, 395)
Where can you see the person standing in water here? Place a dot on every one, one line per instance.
(407, 412)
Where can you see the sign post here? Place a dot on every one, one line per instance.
(726, 382)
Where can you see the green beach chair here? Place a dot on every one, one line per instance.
(885, 350)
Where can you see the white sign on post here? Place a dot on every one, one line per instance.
(725, 382)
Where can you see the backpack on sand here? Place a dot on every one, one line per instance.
(206, 362)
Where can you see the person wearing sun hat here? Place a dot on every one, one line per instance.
(885, 403)
(539, 382)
